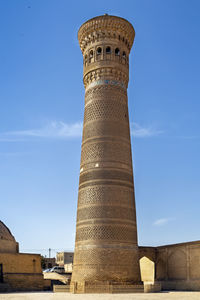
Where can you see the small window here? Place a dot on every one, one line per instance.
(108, 50)
(99, 50)
(91, 56)
(124, 54)
(91, 53)
(117, 52)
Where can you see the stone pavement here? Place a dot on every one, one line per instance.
(66, 296)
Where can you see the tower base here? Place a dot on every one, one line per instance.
(105, 287)
(108, 287)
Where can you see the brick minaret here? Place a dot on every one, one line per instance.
(106, 249)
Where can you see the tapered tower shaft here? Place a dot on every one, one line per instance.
(106, 248)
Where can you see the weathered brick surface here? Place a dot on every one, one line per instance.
(175, 267)
(22, 271)
(106, 247)
(7, 240)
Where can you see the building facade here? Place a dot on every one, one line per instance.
(18, 271)
(48, 262)
(63, 258)
(174, 267)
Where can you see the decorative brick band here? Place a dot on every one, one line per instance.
(106, 174)
(107, 232)
(106, 82)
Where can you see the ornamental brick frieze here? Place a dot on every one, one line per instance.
(112, 92)
(110, 27)
(119, 62)
(106, 151)
(106, 195)
(105, 76)
(107, 109)
(101, 212)
(106, 128)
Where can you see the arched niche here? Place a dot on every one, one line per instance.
(177, 265)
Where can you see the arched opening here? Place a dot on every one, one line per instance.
(99, 50)
(117, 52)
(177, 265)
(124, 54)
(160, 269)
(108, 50)
(124, 57)
(91, 55)
(147, 269)
(99, 53)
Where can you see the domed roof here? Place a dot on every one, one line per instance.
(5, 233)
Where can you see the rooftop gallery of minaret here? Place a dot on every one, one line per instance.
(106, 248)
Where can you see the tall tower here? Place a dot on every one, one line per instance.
(106, 249)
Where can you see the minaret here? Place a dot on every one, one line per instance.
(106, 249)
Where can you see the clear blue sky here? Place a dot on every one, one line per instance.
(42, 102)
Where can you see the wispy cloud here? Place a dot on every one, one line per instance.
(141, 131)
(162, 221)
(62, 130)
(54, 130)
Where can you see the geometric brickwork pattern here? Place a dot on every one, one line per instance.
(110, 109)
(109, 195)
(106, 151)
(106, 248)
(106, 128)
(106, 232)
(105, 212)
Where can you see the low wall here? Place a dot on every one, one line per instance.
(175, 267)
(22, 271)
(178, 266)
(24, 282)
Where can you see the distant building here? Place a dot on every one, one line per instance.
(18, 271)
(48, 263)
(63, 258)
